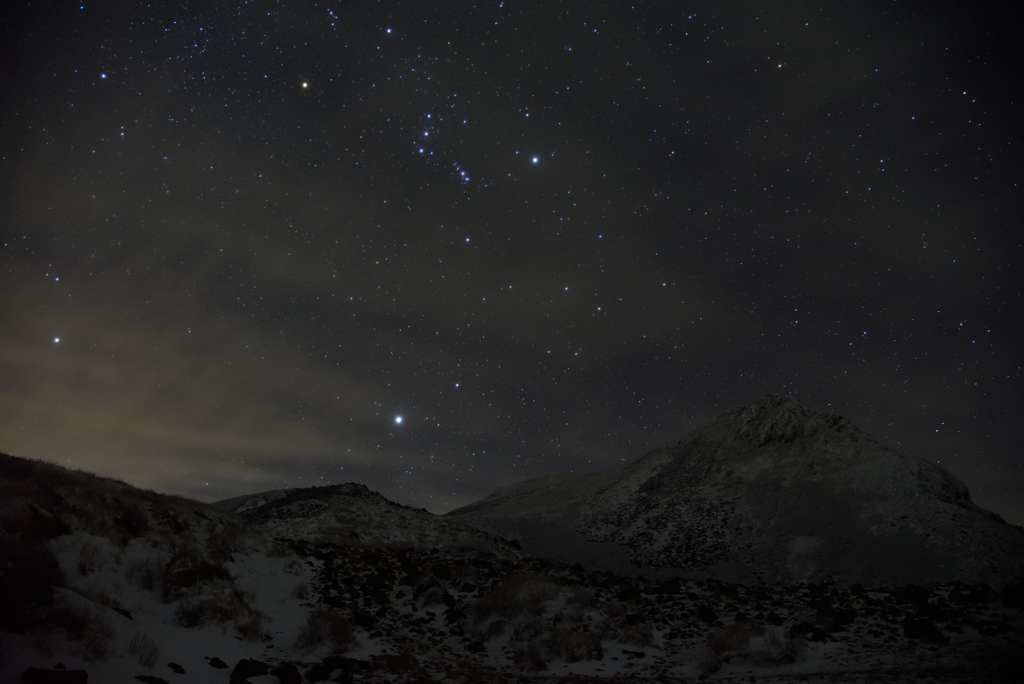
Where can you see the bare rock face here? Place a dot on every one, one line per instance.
(771, 492)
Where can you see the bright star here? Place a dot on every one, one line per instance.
(536, 159)
(56, 340)
(305, 85)
(398, 420)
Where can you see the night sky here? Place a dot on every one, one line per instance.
(440, 247)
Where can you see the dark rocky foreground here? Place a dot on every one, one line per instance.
(435, 609)
(441, 617)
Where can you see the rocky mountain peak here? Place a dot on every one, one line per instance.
(771, 491)
(781, 419)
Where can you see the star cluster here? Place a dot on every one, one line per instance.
(438, 249)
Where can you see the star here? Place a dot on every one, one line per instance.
(398, 420)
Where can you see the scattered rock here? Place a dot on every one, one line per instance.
(176, 668)
(809, 632)
(919, 628)
(247, 667)
(912, 594)
(1013, 594)
(1010, 671)
(150, 679)
(344, 667)
(218, 663)
(287, 673)
(37, 675)
(707, 614)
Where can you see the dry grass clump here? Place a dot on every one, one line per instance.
(575, 645)
(74, 618)
(518, 605)
(228, 606)
(764, 646)
(105, 599)
(627, 623)
(521, 594)
(301, 591)
(145, 650)
(528, 657)
(145, 573)
(638, 634)
(89, 557)
(323, 626)
(28, 574)
(33, 525)
(228, 540)
(777, 639)
(186, 570)
(734, 637)
(579, 595)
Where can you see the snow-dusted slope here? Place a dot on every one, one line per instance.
(773, 492)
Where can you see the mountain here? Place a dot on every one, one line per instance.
(351, 513)
(772, 492)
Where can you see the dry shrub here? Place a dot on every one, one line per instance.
(776, 645)
(324, 625)
(639, 634)
(579, 595)
(301, 591)
(574, 646)
(105, 599)
(187, 569)
(145, 650)
(522, 594)
(573, 613)
(73, 617)
(779, 640)
(192, 613)
(251, 627)
(528, 657)
(130, 521)
(95, 640)
(28, 574)
(401, 662)
(222, 543)
(233, 606)
(144, 574)
(734, 637)
(282, 551)
(88, 559)
(34, 525)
